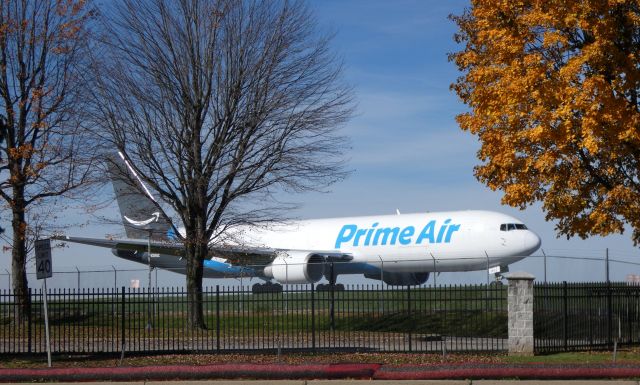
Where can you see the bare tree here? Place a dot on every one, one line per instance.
(3, 133)
(42, 68)
(218, 105)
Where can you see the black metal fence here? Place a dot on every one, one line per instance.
(359, 318)
(585, 316)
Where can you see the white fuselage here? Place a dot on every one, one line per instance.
(425, 242)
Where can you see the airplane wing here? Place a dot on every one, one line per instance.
(256, 256)
(235, 255)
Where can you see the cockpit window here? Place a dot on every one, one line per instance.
(512, 226)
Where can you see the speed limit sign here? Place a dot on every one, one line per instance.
(43, 258)
(43, 270)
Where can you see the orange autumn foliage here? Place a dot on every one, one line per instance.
(552, 89)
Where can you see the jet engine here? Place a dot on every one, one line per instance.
(296, 267)
(399, 279)
(130, 255)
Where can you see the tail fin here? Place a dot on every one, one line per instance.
(142, 217)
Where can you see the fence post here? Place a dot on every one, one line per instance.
(636, 302)
(409, 313)
(520, 309)
(627, 301)
(565, 316)
(609, 315)
(122, 321)
(29, 321)
(313, 318)
(218, 318)
(332, 286)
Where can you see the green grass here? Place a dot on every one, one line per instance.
(471, 311)
(457, 323)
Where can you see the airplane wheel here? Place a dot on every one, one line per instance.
(327, 287)
(276, 288)
(256, 288)
(268, 287)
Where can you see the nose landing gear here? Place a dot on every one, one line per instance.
(498, 272)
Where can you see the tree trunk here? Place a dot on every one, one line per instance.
(19, 258)
(196, 253)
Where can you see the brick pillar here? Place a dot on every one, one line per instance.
(520, 307)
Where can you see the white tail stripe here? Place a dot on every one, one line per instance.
(154, 218)
(139, 180)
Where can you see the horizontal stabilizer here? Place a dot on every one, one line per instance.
(235, 255)
(140, 245)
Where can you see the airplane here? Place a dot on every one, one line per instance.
(401, 249)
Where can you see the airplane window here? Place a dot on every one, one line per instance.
(512, 226)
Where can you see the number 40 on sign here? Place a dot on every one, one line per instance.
(43, 258)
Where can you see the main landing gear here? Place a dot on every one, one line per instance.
(268, 287)
(327, 287)
(331, 276)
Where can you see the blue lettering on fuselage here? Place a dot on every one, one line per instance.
(351, 235)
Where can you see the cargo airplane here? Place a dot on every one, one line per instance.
(400, 249)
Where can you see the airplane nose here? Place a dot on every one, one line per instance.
(531, 242)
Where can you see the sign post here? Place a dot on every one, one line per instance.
(44, 271)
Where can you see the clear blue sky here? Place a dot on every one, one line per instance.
(408, 153)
